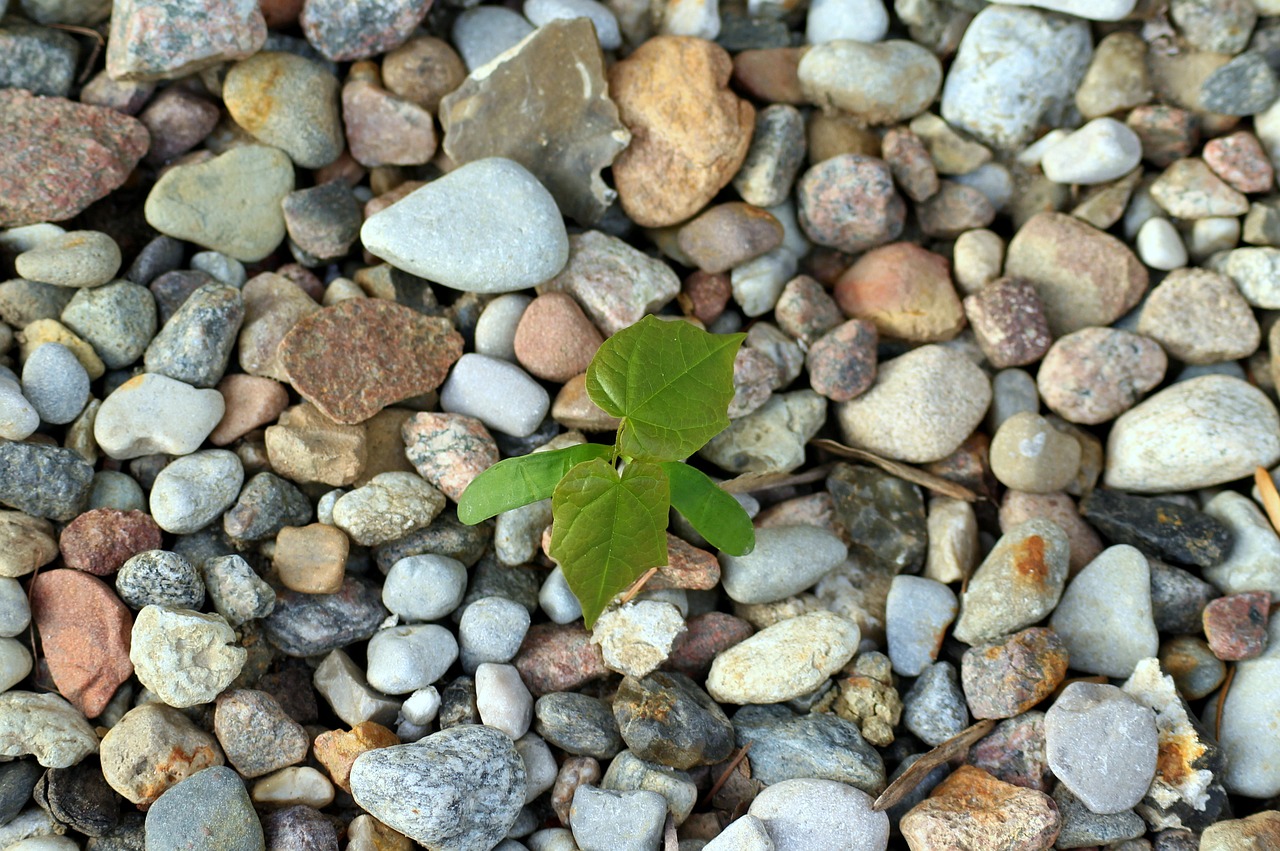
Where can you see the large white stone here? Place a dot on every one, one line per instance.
(1102, 150)
(497, 393)
(153, 414)
(1094, 10)
(783, 661)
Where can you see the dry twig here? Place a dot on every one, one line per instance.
(956, 746)
(914, 475)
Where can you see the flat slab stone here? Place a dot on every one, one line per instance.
(353, 359)
(564, 130)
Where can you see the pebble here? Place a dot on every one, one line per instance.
(382, 129)
(578, 724)
(1117, 79)
(1253, 270)
(1199, 316)
(613, 282)
(299, 826)
(189, 201)
(28, 543)
(1236, 625)
(156, 577)
(289, 102)
(1195, 433)
(934, 707)
(1251, 759)
(786, 746)
(386, 509)
(905, 291)
(151, 748)
(183, 656)
(1160, 246)
(55, 384)
(786, 560)
(1249, 564)
(1084, 277)
(808, 814)
(470, 243)
(313, 624)
(774, 159)
(1235, 833)
(1240, 160)
(917, 614)
(1102, 746)
(118, 319)
(403, 659)
(43, 59)
(324, 221)
(236, 591)
(882, 83)
(554, 339)
(1243, 86)
(495, 331)
(211, 806)
(18, 419)
(784, 661)
(668, 719)
(1178, 598)
(849, 202)
(971, 807)
(415, 788)
(62, 156)
(343, 686)
(1017, 584)
(45, 481)
(1104, 617)
(331, 28)
(628, 773)
(1188, 189)
(690, 133)
(266, 505)
(256, 734)
(77, 259)
(541, 12)
(1158, 527)
(44, 726)
(921, 407)
(178, 121)
(293, 786)
(637, 637)
(424, 348)
(194, 346)
(272, 306)
(423, 70)
(498, 393)
(1008, 322)
(1029, 454)
(424, 587)
(194, 490)
(772, 438)
(157, 40)
(1014, 68)
(502, 699)
(1003, 680)
(1094, 375)
(604, 820)
(15, 610)
(1100, 151)
(311, 559)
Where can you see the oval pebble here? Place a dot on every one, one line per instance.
(193, 491)
(82, 258)
(55, 383)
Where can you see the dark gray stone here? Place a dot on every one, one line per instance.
(666, 718)
(195, 345)
(882, 513)
(491, 578)
(47, 481)
(266, 505)
(40, 59)
(786, 746)
(1178, 598)
(80, 798)
(160, 255)
(577, 723)
(1160, 528)
(129, 834)
(313, 624)
(460, 789)
(172, 289)
(1244, 86)
(299, 828)
(458, 705)
(446, 536)
(1082, 827)
(209, 809)
(118, 319)
(16, 782)
(23, 302)
(323, 221)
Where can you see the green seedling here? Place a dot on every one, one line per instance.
(670, 384)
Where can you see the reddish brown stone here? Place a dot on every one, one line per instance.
(805, 310)
(705, 295)
(771, 75)
(1240, 160)
(554, 339)
(280, 14)
(954, 209)
(912, 166)
(59, 156)
(355, 358)
(842, 365)
(1014, 752)
(1005, 679)
(972, 809)
(727, 235)
(423, 70)
(383, 129)
(1008, 320)
(559, 658)
(337, 750)
(905, 291)
(687, 567)
(102, 540)
(84, 635)
(1167, 132)
(1236, 626)
(969, 465)
(708, 635)
(250, 402)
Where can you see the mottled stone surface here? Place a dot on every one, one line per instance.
(289, 102)
(343, 30)
(101, 540)
(448, 450)
(311, 624)
(564, 130)
(61, 156)
(166, 39)
(849, 202)
(666, 718)
(1017, 584)
(972, 809)
(615, 283)
(785, 746)
(45, 481)
(328, 354)
(1158, 527)
(1006, 679)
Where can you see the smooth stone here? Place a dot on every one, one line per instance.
(209, 809)
(15, 611)
(628, 773)
(266, 505)
(820, 745)
(495, 331)
(289, 102)
(786, 560)
(668, 719)
(1029, 454)
(236, 591)
(55, 384)
(578, 724)
(880, 83)
(194, 490)
(1160, 246)
(403, 659)
(184, 657)
(604, 820)
(1019, 582)
(820, 815)
(557, 599)
(18, 418)
(748, 833)
(83, 258)
(540, 12)
(1100, 151)
(1013, 69)
(934, 708)
(386, 509)
(502, 699)
(1197, 433)
(615, 283)
(784, 661)
(483, 33)
(424, 588)
(160, 578)
(1093, 10)
(1102, 744)
(190, 201)
(461, 788)
(772, 438)
(1105, 617)
(343, 686)
(153, 747)
(1250, 708)
(499, 394)
(1198, 316)
(917, 614)
(1253, 561)
(488, 227)
(117, 319)
(855, 20)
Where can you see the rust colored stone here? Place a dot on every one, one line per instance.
(1005, 679)
(555, 340)
(60, 156)
(708, 635)
(705, 295)
(1008, 322)
(972, 809)
(102, 540)
(687, 567)
(251, 402)
(969, 465)
(1014, 752)
(85, 633)
(336, 750)
(559, 658)
(1236, 626)
(1019, 506)
(905, 291)
(842, 364)
(355, 358)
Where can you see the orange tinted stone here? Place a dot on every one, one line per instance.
(336, 750)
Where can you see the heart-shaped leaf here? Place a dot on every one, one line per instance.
(670, 383)
(609, 529)
(716, 515)
(519, 481)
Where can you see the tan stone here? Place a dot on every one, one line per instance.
(972, 809)
(690, 132)
(26, 543)
(424, 69)
(384, 447)
(573, 408)
(307, 446)
(152, 748)
(336, 750)
(273, 304)
(831, 134)
(311, 559)
(250, 402)
(905, 291)
(42, 331)
(1259, 832)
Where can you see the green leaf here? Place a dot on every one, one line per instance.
(716, 515)
(519, 481)
(670, 383)
(608, 529)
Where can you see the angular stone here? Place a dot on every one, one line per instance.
(256, 734)
(44, 481)
(413, 353)
(690, 132)
(972, 809)
(46, 727)
(564, 130)
(101, 540)
(666, 718)
(448, 450)
(1014, 752)
(786, 746)
(342, 32)
(306, 446)
(183, 656)
(1005, 680)
(165, 39)
(615, 283)
(1161, 528)
(1188, 189)
(1018, 583)
(770, 439)
(151, 748)
(195, 345)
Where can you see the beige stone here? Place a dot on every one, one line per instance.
(311, 559)
(307, 446)
(26, 543)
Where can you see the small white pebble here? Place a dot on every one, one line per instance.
(298, 784)
(1160, 246)
(1033, 153)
